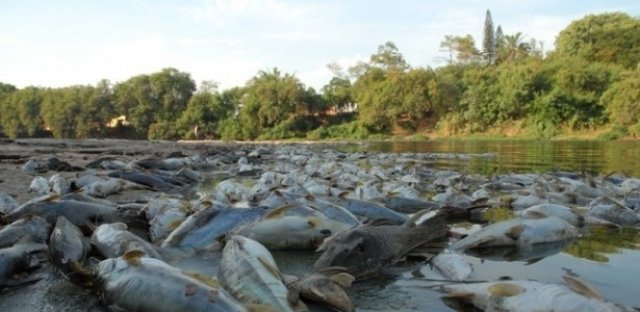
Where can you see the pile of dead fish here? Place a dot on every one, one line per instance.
(117, 227)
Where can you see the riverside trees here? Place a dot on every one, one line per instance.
(590, 81)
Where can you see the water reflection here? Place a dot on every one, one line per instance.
(529, 254)
(603, 241)
(525, 156)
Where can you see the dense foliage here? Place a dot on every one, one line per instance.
(591, 81)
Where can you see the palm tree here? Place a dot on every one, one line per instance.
(513, 48)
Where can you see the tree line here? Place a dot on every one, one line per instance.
(590, 81)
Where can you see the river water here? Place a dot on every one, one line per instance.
(607, 259)
(524, 155)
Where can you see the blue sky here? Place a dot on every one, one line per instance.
(61, 43)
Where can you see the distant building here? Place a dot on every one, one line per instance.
(118, 121)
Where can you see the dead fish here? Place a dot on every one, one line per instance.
(529, 254)
(59, 185)
(165, 215)
(290, 227)
(68, 249)
(369, 210)
(79, 213)
(146, 179)
(113, 240)
(611, 210)
(554, 210)
(205, 229)
(518, 232)
(249, 272)
(7, 203)
(40, 186)
(35, 227)
(17, 259)
(452, 266)
(407, 205)
(522, 295)
(136, 283)
(366, 249)
(326, 287)
(105, 187)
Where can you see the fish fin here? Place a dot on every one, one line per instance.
(85, 279)
(324, 244)
(204, 216)
(278, 212)
(534, 260)
(514, 232)
(313, 222)
(310, 197)
(271, 268)
(536, 215)
(590, 180)
(91, 226)
(318, 293)
(343, 194)
(581, 287)
(213, 282)
(411, 222)
(343, 279)
(463, 296)
(504, 290)
(289, 279)
(328, 271)
(132, 257)
(256, 307)
(51, 197)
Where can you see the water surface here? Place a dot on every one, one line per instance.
(524, 155)
(608, 259)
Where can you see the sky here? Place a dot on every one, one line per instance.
(63, 43)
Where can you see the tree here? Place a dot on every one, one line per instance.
(5, 91)
(499, 38)
(489, 41)
(622, 100)
(513, 48)
(463, 48)
(466, 51)
(389, 58)
(607, 37)
(203, 113)
(448, 45)
(337, 93)
(269, 99)
(20, 115)
(157, 98)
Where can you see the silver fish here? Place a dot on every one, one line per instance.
(113, 240)
(249, 272)
(205, 229)
(68, 249)
(518, 232)
(136, 283)
(35, 227)
(532, 296)
(292, 227)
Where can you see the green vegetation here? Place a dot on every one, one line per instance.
(590, 83)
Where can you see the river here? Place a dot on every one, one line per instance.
(595, 157)
(607, 259)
